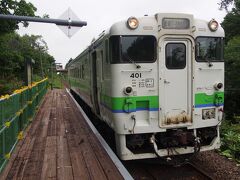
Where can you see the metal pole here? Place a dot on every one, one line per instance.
(60, 22)
(52, 76)
(40, 56)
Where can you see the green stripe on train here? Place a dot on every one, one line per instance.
(133, 102)
(203, 98)
(118, 103)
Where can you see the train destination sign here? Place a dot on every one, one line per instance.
(175, 23)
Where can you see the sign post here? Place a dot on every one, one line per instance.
(28, 72)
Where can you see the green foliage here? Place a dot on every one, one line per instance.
(230, 128)
(232, 78)
(230, 140)
(10, 59)
(56, 80)
(15, 50)
(224, 4)
(8, 86)
(15, 7)
(231, 23)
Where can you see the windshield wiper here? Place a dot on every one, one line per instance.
(132, 61)
(208, 61)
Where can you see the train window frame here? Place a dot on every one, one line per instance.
(209, 60)
(120, 60)
(180, 67)
(106, 51)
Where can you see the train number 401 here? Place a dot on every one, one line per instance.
(136, 75)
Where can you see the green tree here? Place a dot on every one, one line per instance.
(10, 58)
(231, 22)
(15, 50)
(15, 7)
(231, 25)
(224, 4)
(232, 78)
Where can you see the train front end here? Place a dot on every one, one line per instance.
(167, 86)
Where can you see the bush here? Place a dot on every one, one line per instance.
(230, 136)
(7, 87)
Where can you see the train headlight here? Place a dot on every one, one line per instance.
(213, 25)
(132, 23)
(128, 90)
(218, 86)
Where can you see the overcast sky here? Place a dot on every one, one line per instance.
(101, 14)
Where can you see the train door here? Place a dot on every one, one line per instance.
(94, 82)
(175, 87)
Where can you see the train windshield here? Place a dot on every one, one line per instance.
(131, 49)
(209, 49)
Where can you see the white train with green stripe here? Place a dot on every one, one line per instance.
(158, 82)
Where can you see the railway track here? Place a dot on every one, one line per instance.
(155, 169)
(202, 171)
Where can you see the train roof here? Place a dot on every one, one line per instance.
(153, 25)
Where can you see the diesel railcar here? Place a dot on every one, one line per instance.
(157, 81)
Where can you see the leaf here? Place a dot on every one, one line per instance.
(227, 153)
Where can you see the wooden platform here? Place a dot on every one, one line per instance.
(59, 145)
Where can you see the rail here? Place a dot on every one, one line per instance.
(16, 112)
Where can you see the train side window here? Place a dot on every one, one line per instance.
(106, 62)
(83, 75)
(106, 51)
(115, 49)
(175, 56)
(80, 71)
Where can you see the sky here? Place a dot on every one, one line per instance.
(101, 14)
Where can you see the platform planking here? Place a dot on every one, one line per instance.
(59, 145)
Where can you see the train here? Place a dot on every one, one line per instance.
(157, 81)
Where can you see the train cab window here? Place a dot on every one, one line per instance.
(209, 49)
(175, 56)
(130, 49)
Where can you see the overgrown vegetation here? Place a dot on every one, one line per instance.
(16, 49)
(231, 139)
(230, 129)
(56, 81)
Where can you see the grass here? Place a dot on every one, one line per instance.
(56, 81)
